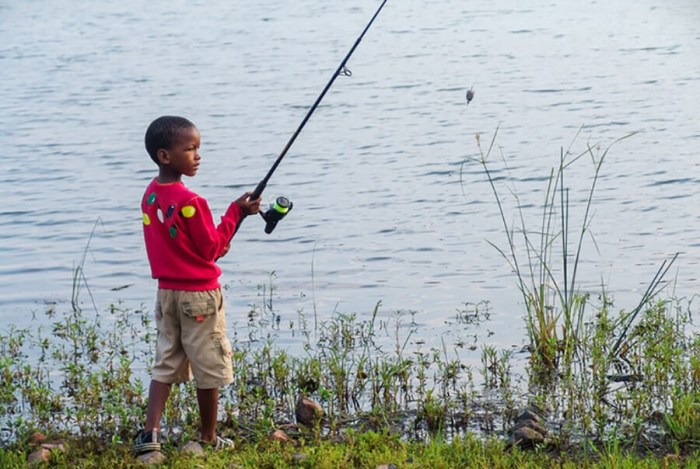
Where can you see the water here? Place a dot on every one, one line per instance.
(384, 209)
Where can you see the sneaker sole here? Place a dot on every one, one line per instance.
(145, 448)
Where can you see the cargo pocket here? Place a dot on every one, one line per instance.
(199, 310)
(221, 344)
(223, 352)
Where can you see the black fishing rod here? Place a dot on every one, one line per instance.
(282, 205)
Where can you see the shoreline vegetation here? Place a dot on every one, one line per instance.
(600, 387)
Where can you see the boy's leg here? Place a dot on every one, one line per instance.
(157, 397)
(208, 400)
(149, 439)
(171, 366)
(204, 340)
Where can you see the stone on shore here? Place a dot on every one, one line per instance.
(308, 412)
(152, 457)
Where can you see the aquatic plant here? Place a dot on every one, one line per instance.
(611, 375)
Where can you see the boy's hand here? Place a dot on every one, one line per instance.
(225, 251)
(248, 207)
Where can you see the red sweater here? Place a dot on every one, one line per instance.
(182, 241)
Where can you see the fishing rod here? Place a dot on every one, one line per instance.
(282, 205)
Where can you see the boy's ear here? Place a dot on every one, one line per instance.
(163, 156)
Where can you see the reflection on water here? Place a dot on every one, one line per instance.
(385, 209)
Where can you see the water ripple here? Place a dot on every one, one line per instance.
(388, 199)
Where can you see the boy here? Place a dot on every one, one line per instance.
(183, 245)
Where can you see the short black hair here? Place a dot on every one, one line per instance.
(162, 132)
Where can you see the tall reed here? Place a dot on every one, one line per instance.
(548, 269)
(603, 376)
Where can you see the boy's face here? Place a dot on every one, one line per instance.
(183, 155)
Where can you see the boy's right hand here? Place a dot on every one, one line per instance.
(249, 207)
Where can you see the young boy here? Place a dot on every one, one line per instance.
(183, 245)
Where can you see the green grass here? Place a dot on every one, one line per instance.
(362, 450)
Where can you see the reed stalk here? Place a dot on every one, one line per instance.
(549, 285)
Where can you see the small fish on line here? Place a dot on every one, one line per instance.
(470, 95)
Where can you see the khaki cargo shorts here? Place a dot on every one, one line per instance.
(192, 339)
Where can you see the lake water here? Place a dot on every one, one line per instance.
(385, 207)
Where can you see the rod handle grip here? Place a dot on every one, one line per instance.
(258, 190)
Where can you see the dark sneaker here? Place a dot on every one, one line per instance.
(146, 442)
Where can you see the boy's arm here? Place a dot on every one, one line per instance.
(211, 241)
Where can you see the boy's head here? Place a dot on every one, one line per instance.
(163, 133)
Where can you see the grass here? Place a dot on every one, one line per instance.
(618, 388)
(362, 450)
(83, 381)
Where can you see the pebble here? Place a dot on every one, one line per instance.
(40, 456)
(193, 448)
(281, 436)
(152, 457)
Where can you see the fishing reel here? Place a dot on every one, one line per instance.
(277, 211)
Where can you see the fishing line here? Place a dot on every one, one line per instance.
(281, 207)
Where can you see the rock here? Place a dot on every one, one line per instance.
(529, 429)
(526, 437)
(40, 456)
(193, 448)
(531, 413)
(152, 457)
(300, 457)
(387, 466)
(43, 454)
(292, 430)
(308, 412)
(37, 438)
(533, 424)
(281, 436)
(54, 445)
